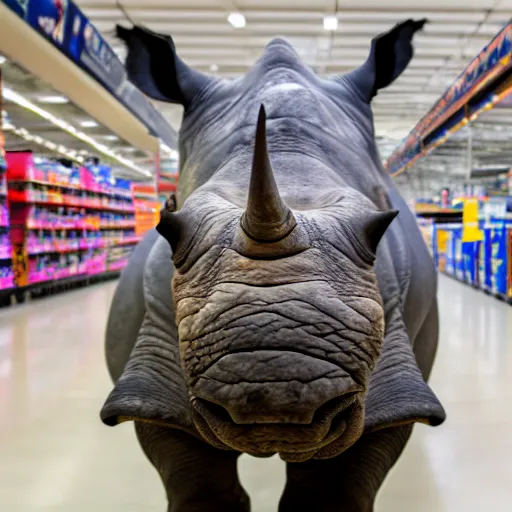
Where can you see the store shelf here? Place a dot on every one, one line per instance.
(484, 264)
(78, 187)
(131, 241)
(130, 225)
(120, 265)
(57, 235)
(15, 197)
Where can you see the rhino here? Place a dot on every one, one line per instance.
(284, 308)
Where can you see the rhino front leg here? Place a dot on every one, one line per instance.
(347, 483)
(197, 477)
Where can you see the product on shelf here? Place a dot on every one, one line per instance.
(147, 207)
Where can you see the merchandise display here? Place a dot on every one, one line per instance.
(485, 264)
(6, 274)
(67, 220)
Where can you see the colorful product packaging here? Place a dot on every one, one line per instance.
(499, 241)
(471, 254)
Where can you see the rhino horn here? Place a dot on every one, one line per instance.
(266, 218)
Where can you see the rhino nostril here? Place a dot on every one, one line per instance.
(326, 412)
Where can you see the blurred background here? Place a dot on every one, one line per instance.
(86, 162)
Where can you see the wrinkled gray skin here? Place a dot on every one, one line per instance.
(312, 346)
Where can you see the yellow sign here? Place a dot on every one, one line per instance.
(470, 230)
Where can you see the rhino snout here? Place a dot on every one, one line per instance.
(274, 386)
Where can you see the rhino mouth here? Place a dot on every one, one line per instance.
(335, 427)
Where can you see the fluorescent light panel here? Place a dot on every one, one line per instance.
(13, 96)
(331, 23)
(57, 100)
(89, 123)
(237, 19)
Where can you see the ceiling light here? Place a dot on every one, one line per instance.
(111, 137)
(2, 60)
(89, 124)
(214, 68)
(53, 99)
(237, 19)
(330, 23)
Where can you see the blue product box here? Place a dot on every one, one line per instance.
(499, 260)
(487, 261)
(471, 253)
(453, 251)
(481, 262)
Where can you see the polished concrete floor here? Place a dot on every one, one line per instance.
(55, 455)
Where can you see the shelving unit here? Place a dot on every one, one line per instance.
(66, 221)
(6, 275)
(485, 264)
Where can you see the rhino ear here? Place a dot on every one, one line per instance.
(154, 67)
(390, 54)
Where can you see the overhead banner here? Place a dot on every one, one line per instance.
(65, 26)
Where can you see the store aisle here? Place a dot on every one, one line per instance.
(55, 455)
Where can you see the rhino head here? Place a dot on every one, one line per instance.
(279, 317)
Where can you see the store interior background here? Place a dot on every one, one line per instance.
(443, 129)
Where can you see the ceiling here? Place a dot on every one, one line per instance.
(27, 130)
(482, 146)
(457, 31)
